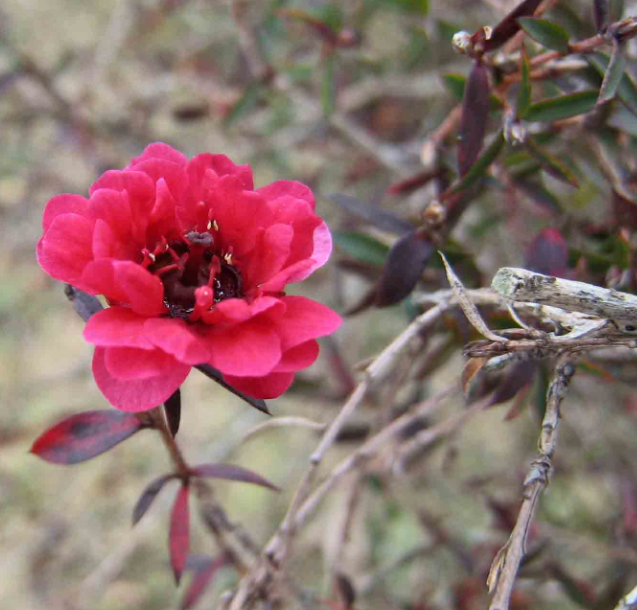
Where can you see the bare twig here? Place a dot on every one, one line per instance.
(506, 564)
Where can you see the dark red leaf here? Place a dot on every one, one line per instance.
(548, 254)
(372, 213)
(345, 590)
(413, 183)
(200, 582)
(215, 375)
(624, 211)
(231, 473)
(148, 496)
(515, 379)
(83, 436)
(405, 263)
(509, 26)
(475, 111)
(601, 11)
(173, 411)
(179, 537)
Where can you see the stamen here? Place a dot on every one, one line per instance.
(215, 225)
(166, 269)
(204, 299)
(209, 225)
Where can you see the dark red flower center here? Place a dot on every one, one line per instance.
(186, 266)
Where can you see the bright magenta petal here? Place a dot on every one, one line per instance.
(233, 311)
(288, 275)
(303, 320)
(160, 150)
(248, 349)
(126, 363)
(271, 252)
(138, 394)
(66, 248)
(173, 173)
(63, 204)
(117, 326)
(114, 209)
(144, 291)
(290, 188)
(299, 357)
(270, 386)
(176, 337)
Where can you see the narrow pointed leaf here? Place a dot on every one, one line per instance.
(548, 34)
(371, 213)
(475, 112)
(246, 103)
(201, 581)
(328, 86)
(215, 375)
(547, 253)
(179, 534)
(524, 90)
(405, 263)
(601, 11)
(85, 304)
(562, 107)
(173, 411)
(626, 90)
(551, 164)
(479, 167)
(456, 84)
(614, 74)
(148, 496)
(509, 26)
(361, 246)
(516, 378)
(83, 436)
(231, 472)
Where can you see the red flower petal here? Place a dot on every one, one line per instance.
(113, 208)
(251, 349)
(144, 291)
(291, 274)
(126, 363)
(176, 337)
(291, 188)
(66, 248)
(104, 240)
(137, 395)
(117, 327)
(140, 190)
(305, 319)
(239, 215)
(272, 250)
(299, 357)
(233, 311)
(63, 204)
(269, 386)
(173, 173)
(160, 150)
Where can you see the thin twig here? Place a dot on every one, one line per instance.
(507, 562)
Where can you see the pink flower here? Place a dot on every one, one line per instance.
(193, 262)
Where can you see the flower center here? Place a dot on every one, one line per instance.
(194, 273)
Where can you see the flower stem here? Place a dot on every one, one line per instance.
(158, 416)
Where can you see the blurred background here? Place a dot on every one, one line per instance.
(341, 96)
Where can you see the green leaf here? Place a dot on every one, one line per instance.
(479, 168)
(551, 164)
(613, 76)
(563, 107)
(455, 84)
(524, 91)
(246, 103)
(328, 86)
(626, 90)
(549, 35)
(420, 7)
(361, 246)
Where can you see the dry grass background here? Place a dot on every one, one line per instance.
(84, 86)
